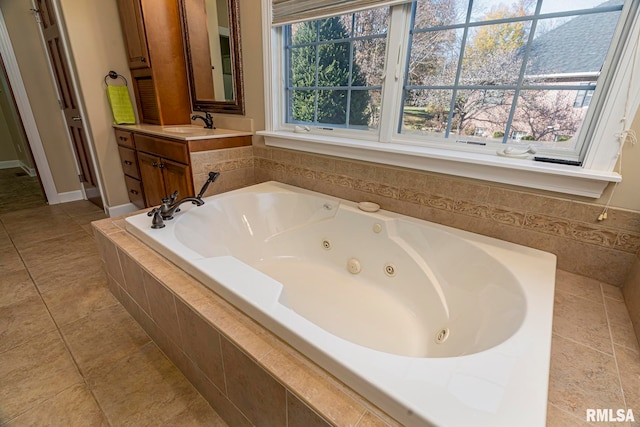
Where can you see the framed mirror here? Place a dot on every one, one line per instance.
(211, 34)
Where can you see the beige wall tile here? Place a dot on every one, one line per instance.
(326, 398)
(198, 413)
(630, 377)
(581, 320)
(260, 397)
(299, 414)
(162, 307)
(631, 292)
(580, 286)
(201, 343)
(133, 280)
(370, 420)
(239, 329)
(559, 418)
(613, 292)
(620, 324)
(581, 378)
(111, 260)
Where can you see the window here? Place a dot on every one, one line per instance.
(335, 68)
(434, 74)
(583, 97)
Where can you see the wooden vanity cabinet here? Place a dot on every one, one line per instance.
(129, 161)
(162, 177)
(153, 40)
(156, 166)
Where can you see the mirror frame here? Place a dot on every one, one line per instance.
(229, 107)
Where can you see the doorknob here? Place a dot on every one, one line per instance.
(76, 118)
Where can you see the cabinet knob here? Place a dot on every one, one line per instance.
(134, 192)
(161, 165)
(128, 162)
(154, 164)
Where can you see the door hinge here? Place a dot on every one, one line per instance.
(81, 177)
(36, 14)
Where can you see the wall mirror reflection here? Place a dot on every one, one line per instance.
(211, 34)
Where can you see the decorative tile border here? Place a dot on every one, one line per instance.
(498, 212)
(459, 197)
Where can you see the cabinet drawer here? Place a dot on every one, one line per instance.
(129, 162)
(124, 138)
(168, 149)
(134, 188)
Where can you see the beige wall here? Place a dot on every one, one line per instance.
(30, 55)
(15, 136)
(97, 46)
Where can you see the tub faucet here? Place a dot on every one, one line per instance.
(207, 119)
(168, 208)
(170, 205)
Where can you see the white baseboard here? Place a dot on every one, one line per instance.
(8, 164)
(27, 169)
(70, 196)
(118, 210)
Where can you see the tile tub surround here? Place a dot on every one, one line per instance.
(235, 165)
(229, 358)
(567, 228)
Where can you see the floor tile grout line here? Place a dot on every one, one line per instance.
(568, 413)
(38, 404)
(615, 356)
(58, 330)
(582, 344)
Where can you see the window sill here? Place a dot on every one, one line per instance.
(521, 172)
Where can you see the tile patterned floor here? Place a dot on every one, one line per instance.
(19, 190)
(70, 355)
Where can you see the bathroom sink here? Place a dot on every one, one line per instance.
(186, 129)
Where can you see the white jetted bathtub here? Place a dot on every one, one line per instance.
(432, 324)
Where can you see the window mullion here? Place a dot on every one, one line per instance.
(396, 55)
(523, 67)
(452, 104)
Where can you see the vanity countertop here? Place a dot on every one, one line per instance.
(183, 132)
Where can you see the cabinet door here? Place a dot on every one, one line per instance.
(177, 176)
(151, 175)
(134, 33)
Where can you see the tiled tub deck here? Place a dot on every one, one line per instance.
(250, 377)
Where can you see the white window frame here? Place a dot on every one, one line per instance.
(471, 161)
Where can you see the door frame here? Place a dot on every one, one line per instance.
(26, 114)
(73, 75)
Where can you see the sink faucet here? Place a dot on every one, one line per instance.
(170, 205)
(207, 119)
